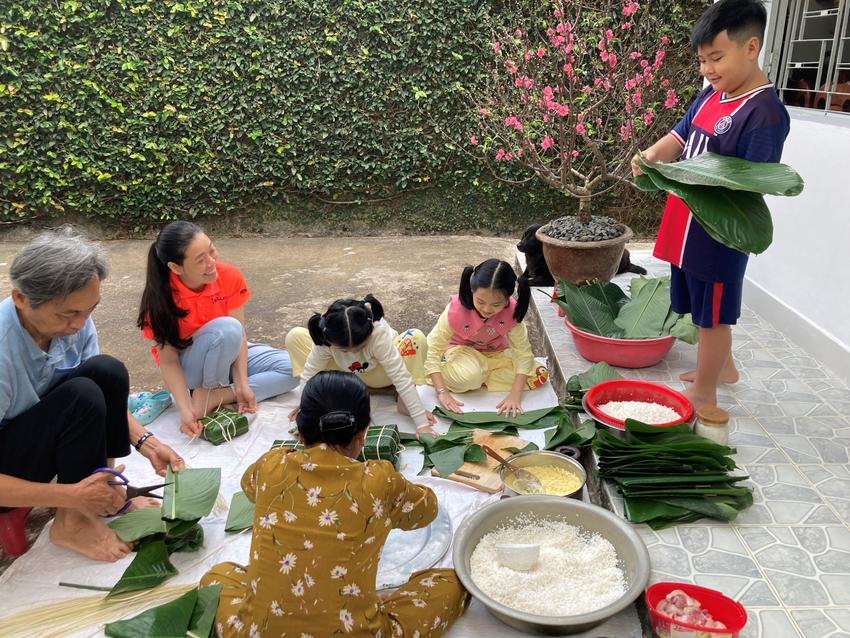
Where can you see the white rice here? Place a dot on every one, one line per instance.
(577, 572)
(645, 412)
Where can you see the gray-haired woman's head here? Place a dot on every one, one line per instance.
(56, 264)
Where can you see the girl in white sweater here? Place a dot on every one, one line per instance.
(353, 336)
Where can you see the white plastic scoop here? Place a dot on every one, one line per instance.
(520, 557)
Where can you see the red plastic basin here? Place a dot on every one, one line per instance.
(636, 390)
(731, 613)
(623, 353)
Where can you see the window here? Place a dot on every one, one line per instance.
(809, 54)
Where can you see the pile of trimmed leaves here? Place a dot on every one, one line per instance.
(670, 475)
(159, 532)
(725, 194)
(192, 614)
(579, 384)
(602, 308)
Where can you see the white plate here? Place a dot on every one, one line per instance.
(407, 552)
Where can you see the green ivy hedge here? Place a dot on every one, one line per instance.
(139, 111)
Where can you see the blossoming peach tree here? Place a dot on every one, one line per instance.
(572, 95)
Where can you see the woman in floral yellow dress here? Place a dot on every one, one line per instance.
(321, 520)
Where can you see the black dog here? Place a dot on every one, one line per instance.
(536, 270)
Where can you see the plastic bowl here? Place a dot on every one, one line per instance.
(623, 353)
(544, 457)
(631, 551)
(731, 613)
(636, 390)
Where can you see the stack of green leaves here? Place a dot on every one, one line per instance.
(382, 443)
(725, 194)
(223, 425)
(602, 308)
(159, 532)
(192, 614)
(670, 475)
(579, 384)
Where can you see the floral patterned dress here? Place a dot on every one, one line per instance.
(319, 525)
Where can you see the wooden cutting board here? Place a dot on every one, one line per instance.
(487, 471)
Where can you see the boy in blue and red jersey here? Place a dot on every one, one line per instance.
(739, 114)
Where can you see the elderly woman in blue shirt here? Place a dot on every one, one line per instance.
(63, 406)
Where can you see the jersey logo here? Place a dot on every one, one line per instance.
(723, 125)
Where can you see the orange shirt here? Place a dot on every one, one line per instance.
(228, 292)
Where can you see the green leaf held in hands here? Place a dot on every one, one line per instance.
(191, 494)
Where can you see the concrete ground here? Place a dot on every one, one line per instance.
(290, 278)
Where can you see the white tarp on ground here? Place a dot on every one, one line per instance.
(32, 580)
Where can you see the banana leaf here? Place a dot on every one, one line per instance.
(586, 311)
(531, 447)
(597, 373)
(449, 460)
(737, 219)
(656, 514)
(190, 540)
(645, 314)
(138, 524)
(192, 614)
(685, 330)
(191, 494)
(474, 454)
(711, 169)
(240, 516)
(203, 616)
(533, 419)
(178, 527)
(608, 293)
(149, 568)
(568, 434)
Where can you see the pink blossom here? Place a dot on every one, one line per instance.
(497, 46)
(473, 140)
(672, 99)
(562, 109)
(580, 129)
(598, 121)
(665, 83)
(541, 52)
(609, 35)
(574, 152)
(510, 67)
(648, 116)
(644, 63)
(568, 69)
(626, 26)
(484, 111)
(500, 154)
(548, 93)
(546, 118)
(606, 85)
(586, 89)
(547, 142)
(519, 152)
(637, 98)
(665, 40)
(626, 132)
(601, 44)
(527, 56)
(659, 59)
(630, 84)
(634, 55)
(550, 32)
(604, 55)
(508, 157)
(518, 33)
(513, 122)
(597, 81)
(630, 8)
(558, 13)
(612, 60)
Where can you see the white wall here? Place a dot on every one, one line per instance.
(801, 283)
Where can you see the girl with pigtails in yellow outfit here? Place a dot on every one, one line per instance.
(320, 522)
(480, 339)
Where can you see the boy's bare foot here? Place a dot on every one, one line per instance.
(87, 535)
(729, 374)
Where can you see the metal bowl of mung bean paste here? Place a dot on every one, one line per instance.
(569, 467)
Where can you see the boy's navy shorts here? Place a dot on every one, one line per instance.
(709, 302)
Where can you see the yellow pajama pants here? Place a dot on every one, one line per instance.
(411, 344)
(464, 369)
(426, 606)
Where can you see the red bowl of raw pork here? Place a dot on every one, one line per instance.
(636, 390)
(718, 607)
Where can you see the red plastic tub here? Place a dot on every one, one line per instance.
(623, 353)
(731, 613)
(636, 390)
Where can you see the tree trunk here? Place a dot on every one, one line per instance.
(584, 210)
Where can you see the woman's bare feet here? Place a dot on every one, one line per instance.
(205, 401)
(729, 374)
(87, 535)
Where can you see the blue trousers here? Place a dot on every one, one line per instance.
(215, 346)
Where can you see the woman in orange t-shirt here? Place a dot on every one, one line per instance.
(193, 309)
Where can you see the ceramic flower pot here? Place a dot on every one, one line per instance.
(580, 261)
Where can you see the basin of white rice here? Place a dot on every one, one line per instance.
(577, 573)
(644, 411)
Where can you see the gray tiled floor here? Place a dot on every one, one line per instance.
(787, 558)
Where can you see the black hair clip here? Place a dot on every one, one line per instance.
(335, 421)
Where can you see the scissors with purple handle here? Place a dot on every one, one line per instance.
(132, 492)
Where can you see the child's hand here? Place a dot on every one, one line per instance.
(427, 428)
(449, 402)
(635, 167)
(511, 405)
(294, 414)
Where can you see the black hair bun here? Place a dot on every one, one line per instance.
(336, 421)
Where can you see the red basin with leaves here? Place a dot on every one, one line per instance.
(623, 353)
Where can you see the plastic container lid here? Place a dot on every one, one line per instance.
(712, 415)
